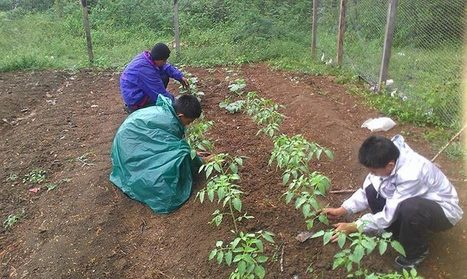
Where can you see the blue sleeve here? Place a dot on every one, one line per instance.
(173, 72)
(152, 85)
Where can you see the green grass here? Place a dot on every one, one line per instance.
(40, 41)
(430, 79)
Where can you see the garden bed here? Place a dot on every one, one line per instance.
(64, 122)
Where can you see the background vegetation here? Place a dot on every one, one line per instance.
(426, 63)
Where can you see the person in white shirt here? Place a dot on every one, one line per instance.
(406, 194)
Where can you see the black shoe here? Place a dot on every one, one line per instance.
(409, 263)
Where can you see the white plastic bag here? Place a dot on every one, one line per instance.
(379, 124)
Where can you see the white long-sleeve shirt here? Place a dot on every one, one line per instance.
(413, 176)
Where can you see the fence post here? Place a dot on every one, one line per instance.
(340, 33)
(389, 34)
(58, 5)
(87, 29)
(313, 28)
(176, 29)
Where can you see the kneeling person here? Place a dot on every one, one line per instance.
(407, 195)
(151, 160)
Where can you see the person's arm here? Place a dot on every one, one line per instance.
(152, 85)
(358, 201)
(409, 187)
(173, 72)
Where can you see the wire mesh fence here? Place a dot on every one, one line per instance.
(427, 48)
(427, 57)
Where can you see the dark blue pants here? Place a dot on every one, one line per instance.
(414, 218)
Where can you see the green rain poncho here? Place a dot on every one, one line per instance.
(151, 160)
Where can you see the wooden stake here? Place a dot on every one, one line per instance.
(342, 191)
(87, 30)
(449, 142)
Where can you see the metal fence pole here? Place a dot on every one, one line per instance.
(176, 29)
(313, 28)
(390, 24)
(340, 33)
(87, 30)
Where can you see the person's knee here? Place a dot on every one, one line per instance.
(410, 208)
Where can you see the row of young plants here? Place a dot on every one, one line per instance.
(307, 188)
(246, 251)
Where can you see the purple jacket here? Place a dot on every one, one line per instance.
(142, 79)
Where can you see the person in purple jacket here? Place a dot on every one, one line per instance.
(147, 76)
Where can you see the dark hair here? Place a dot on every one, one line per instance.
(377, 152)
(160, 52)
(188, 105)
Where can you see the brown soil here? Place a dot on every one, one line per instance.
(64, 122)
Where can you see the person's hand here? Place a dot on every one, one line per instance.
(346, 228)
(334, 213)
(205, 156)
(185, 83)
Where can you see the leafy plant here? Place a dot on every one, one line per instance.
(246, 252)
(264, 112)
(360, 245)
(292, 154)
(223, 186)
(270, 130)
(193, 89)
(412, 274)
(12, 219)
(227, 193)
(51, 186)
(237, 86)
(35, 176)
(232, 107)
(195, 136)
(12, 177)
(222, 163)
(86, 160)
(306, 190)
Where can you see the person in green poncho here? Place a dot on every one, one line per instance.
(151, 160)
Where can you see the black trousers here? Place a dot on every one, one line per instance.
(165, 80)
(414, 218)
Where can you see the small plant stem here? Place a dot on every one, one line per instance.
(282, 258)
(233, 216)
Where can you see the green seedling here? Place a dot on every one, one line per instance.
(193, 90)
(35, 176)
(222, 163)
(227, 193)
(264, 112)
(360, 245)
(237, 86)
(246, 252)
(232, 107)
(292, 154)
(219, 216)
(12, 177)
(412, 274)
(195, 136)
(51, 186)
(85, 160)
(12, 219)
(306, 190)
